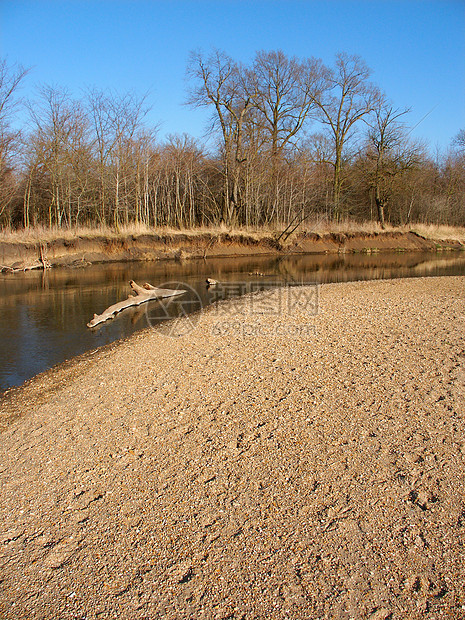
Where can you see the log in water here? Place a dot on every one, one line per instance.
(140, 295)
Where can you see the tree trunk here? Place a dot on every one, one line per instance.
(380, 206)
(337, 186)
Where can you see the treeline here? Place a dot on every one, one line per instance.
(293, 140)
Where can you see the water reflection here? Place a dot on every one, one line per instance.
(43, 315)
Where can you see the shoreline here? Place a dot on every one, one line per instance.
(352, 267)
(62, 370)
(319, 470)
(84, 251)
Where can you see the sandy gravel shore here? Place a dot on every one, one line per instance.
(267, 465)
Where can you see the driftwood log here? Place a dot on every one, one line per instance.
(140, 295)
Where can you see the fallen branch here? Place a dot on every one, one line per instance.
(18, 269)
(212, 241)
(42, 263)
(140, 296)
(287, 232)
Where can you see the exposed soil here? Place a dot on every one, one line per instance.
(83, 251)
(270, 462)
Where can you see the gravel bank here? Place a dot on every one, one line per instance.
(265, 465)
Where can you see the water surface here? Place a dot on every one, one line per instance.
(44, 314)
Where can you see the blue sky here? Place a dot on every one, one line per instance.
(416, 48)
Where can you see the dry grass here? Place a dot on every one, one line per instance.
(346, 226)
(41, 234)
(440, 233)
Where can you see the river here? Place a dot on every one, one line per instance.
(44, 314)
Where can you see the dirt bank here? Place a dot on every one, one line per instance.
(271, 463)
(83, 251)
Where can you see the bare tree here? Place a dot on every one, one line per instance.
(10, 80)
(390, 151)
(94, 160)
(116, 119)
(349, 98)
(60, 128)
(219, 82)
(144, 149)
(181, 163)
(459, 141)
(284, 91)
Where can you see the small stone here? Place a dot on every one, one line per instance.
(413, 583)
(412, 458)
(381, 614)
(419, 542)
(423, 499)
(182, 572)
(119, 586)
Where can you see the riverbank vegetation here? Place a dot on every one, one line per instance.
(292, 143)
(41, 234)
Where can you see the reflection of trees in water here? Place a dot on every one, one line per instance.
(112, 278)
(343, 267)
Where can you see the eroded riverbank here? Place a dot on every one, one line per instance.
(83, 251)
(285, 464)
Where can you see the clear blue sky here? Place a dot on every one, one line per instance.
(416, 48)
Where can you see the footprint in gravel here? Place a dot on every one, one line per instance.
(119, 586)
(62, 552)
(83, 498)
